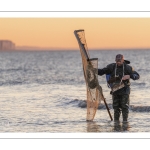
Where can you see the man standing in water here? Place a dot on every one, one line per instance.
(119, 74)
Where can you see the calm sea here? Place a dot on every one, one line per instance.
(45, 92)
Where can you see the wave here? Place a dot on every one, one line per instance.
(83, 104)
(143, 70)
(139, 84)
(133, 108)
(11, 83)
(11, 70)
(140, 108)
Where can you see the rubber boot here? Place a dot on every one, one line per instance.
(125, 116)
(116, 115)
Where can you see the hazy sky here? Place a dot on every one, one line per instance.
(58, 32)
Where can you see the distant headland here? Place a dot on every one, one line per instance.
(6, 45)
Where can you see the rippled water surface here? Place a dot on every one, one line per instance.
(45, 92)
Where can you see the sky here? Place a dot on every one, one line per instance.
(57, 33)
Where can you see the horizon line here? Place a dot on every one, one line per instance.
(72, 49)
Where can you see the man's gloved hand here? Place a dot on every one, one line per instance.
(126, 77)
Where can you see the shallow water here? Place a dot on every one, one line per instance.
(46, 92)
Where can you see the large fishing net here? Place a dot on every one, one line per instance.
(90, 70)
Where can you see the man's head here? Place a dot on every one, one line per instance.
(119, 59)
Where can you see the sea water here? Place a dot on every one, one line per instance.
(45, 91)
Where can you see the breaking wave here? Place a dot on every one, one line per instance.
(83, 104)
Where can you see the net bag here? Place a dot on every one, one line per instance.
(90, 70)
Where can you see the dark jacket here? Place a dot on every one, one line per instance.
(128, 70)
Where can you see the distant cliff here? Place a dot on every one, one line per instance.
(7, 45)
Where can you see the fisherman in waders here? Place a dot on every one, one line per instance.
(118, 78)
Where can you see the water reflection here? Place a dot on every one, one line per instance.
(120, 127)
(92, 126)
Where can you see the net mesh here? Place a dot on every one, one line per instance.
(94, 90)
